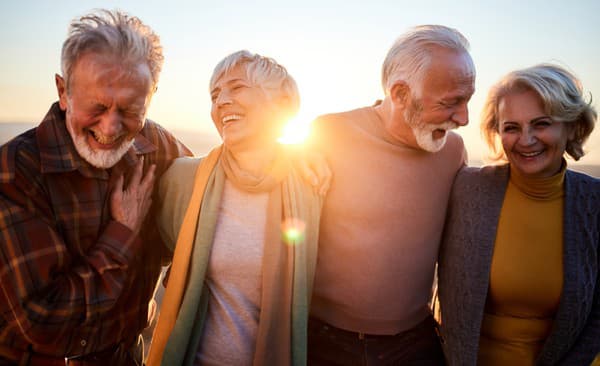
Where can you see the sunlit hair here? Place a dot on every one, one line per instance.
(114, 34)
(264, 72)
(410, 55)
(561, 94)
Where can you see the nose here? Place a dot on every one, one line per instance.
(461, 115)
(223, 98)
(527, 137)
(111, 123)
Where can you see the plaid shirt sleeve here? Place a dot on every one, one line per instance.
(72, 280)
(45, 292)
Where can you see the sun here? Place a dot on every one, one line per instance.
(296, 131)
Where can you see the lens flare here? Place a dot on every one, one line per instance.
(296, 131)
(292, 231)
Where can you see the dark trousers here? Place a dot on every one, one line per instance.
(329, 346)
(123, 354)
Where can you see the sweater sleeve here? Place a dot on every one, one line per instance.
(175, 191)
(587, 345)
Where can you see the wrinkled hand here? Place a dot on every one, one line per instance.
(313, 168)
(130, 205)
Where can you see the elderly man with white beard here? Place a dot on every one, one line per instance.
(393, 166)
(78, 261)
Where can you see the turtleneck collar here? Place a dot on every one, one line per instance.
(540, 188)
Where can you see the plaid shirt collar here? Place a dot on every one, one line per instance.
(58, 154)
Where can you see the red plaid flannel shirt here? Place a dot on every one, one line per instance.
(73, 281)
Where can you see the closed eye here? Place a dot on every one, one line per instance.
(507, 127)
(543, 123)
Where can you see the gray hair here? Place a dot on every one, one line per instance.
(561, 94)
(261, 71)
(411, 54)
(113, 33)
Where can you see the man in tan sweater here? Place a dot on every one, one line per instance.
(393, 165)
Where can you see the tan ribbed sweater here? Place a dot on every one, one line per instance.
(381, 224)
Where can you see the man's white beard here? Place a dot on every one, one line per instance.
(424, 131)
(102, 159)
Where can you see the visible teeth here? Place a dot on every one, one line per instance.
(530, 154)
(105, 140)
(231, 117)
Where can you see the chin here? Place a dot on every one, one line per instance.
(429, 144)
(102, 159)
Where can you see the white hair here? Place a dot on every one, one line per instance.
(262, 71)
(411, 53)
(112, 33)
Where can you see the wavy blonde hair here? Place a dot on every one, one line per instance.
(561, 94)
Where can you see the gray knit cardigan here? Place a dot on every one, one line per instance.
(466, 255)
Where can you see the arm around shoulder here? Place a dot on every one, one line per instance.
(174, 193)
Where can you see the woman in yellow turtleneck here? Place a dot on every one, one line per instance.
(518, 267)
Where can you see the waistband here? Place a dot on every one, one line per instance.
(426, 325)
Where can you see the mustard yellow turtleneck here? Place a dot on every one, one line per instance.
(526, 275)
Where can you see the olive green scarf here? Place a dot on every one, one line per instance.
(288, 261)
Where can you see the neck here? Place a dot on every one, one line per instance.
(395, 135)
(255, 160)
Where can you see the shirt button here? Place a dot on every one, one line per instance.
(83, 343)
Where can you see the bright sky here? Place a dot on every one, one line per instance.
(334, 49)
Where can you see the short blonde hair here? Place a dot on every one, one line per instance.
(561, 94)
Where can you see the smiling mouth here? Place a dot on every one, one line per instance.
(230, 118)
(105, 140)
(531, 154)
(439, 133)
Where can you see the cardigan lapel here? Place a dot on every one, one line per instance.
(569, 319)
(492, 198)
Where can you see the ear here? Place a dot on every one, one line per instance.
(61, 88)
(400, 93)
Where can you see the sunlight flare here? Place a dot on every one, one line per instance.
(293, 230)
(296, 131)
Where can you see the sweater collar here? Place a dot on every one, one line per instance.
(540, 188)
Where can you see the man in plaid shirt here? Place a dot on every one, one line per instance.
(79, 255)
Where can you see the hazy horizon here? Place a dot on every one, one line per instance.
(200, 142)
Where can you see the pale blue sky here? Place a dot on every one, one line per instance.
(334, 49)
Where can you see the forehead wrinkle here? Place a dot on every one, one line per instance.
(221, 83)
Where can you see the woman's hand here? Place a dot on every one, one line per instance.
(130, 205)
(314, 169)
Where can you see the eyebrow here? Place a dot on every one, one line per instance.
(228, 82)
(530, 121)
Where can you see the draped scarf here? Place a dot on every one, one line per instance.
(287, 266)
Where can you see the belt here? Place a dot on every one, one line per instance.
(313, 322)
(428, 322)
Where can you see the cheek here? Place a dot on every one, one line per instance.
(74, 121)
(133, 127)
(214, 117)
(507, 142)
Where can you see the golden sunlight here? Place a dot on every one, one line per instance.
(296, 131)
